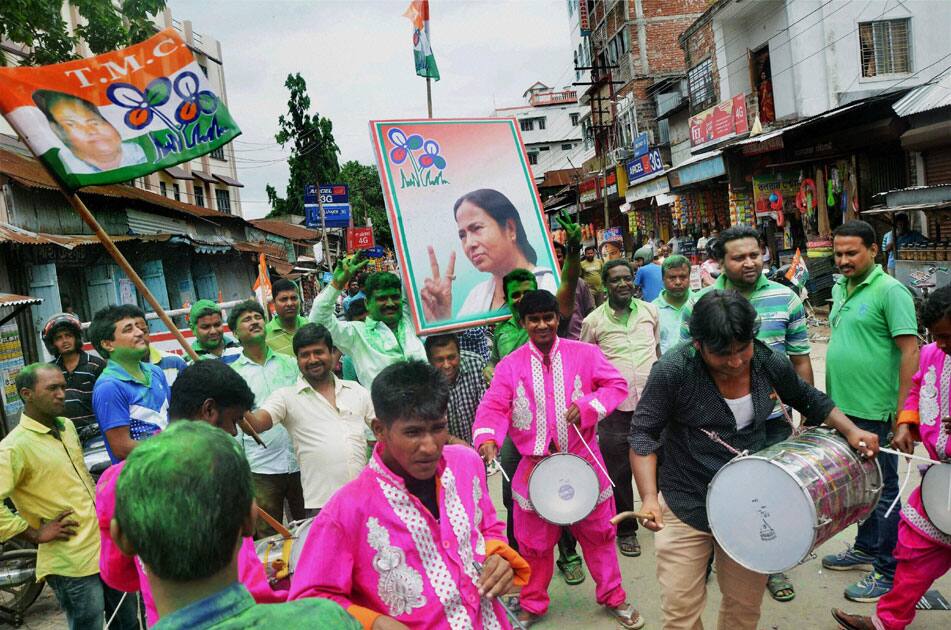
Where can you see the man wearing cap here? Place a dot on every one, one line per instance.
(210, 340)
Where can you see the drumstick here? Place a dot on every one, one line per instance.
(623, 516)
(247, 428)
(596, 460)
(275, 524)
(892, 451)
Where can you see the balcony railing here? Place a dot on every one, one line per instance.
(553, 98)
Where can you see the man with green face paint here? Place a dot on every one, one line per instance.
(131, 397)
(275, 469)
(385, 337)
(210, 340)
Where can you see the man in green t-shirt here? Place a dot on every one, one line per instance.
(872, 355)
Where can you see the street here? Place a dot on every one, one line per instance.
(817, 590)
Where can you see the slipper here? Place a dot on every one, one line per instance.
(528, 619)
(780, 588)
(572, 570)
(627, 616)
(629, 546)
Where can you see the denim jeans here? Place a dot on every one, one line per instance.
(86, 599)
(877, 535)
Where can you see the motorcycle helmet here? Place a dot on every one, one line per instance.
(57, 323)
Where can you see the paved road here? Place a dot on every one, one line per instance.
(817, 590)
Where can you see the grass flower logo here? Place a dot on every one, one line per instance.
(421, 154)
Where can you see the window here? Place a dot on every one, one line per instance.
(527, 124)
(700, 84)
(566, 146)
(541, 122)
(883, 47)
(533, 158)
(223, 197)
(587, 133)
(163, 188)
(200, 195)
(618, 46)
(219, 154)
(574, 120)
(176, 192)
(543, 148)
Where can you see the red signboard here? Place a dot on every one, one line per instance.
(717, 123)
(584, 19)
(359, 238)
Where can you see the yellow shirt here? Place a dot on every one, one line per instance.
(44, 476)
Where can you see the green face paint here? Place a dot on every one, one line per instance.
(515, 290)
(208, 331)
(386, 306)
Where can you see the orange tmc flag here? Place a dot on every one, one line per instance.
(119, 115)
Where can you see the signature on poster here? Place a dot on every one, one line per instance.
(421, 155)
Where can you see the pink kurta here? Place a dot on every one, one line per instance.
(124, 573)
(376, 546)
(923, 552)
(527, 401)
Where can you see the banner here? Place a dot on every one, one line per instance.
(464, 212)
(118, 116)
(336, 201)
(359, 238)
(719, 122)
(262, 286)
(418, 14)
(647, 164)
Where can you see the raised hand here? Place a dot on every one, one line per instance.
(572, 230)
(436, 293)
(347, 267)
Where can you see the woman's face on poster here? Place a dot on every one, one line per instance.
(488, 246)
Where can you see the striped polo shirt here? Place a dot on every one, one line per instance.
(120, 400)
(782, 316)
(79, 384)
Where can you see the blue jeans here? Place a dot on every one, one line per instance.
(877, 536)
(86, 599)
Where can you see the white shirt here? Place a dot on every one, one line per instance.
(132, 154)
(330, 442)
(479, 300)
(742, 409)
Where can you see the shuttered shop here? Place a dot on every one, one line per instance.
(938, 166)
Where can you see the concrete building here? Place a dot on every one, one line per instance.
(550, 125)
(210, 181)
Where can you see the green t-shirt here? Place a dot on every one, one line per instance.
(508, 336)
(862, 361)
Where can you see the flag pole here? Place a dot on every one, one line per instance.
(429, 96)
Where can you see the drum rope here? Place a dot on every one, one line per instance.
(901, 490)
(713, 435)
(590, 452)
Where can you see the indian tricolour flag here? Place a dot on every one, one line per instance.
(418, 13)
(119, 115)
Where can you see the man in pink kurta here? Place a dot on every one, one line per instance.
(415, 536)
(923, 551)
(207, 391)
(537, 392)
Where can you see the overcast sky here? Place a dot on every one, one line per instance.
(357, 59)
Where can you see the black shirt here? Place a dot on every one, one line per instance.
(680, 399)
(79, 385)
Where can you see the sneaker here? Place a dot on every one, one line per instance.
(869, 589)
(849, 560)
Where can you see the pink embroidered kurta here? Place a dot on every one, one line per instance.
(376, 546)
(528, 401)
(126, 574)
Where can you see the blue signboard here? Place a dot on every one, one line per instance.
(336, 201)
(376, 251)
(645, 165)
(641, 144)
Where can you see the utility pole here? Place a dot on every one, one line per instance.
(323, 229)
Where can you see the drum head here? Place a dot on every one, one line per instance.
(760, 515)
(936, 496)
(563, 489)
(299, 529)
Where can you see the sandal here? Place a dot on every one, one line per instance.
(780, 588)
(627, 616)
(528, 619)
(629, 546)
(572, 570)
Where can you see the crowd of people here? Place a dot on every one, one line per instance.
(384, 439)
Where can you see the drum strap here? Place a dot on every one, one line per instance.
(715, 437)
(795, 430)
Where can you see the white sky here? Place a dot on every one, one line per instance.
(357, 59)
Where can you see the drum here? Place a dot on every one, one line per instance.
(280, 557)
(936, 496)
(563, 489)
(769, 510)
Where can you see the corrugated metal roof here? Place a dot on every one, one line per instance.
(11, 299)
(14, 234)
(287, 230)
(926, 97)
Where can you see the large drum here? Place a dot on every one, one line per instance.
(769, 510)
(563, 489)
(281, 556)
(936, 496)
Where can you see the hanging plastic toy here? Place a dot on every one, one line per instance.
(806, 197)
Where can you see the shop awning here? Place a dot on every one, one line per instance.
(649, 187)
(697, 169)
(208, 177)
(229, 180)
(909, 207)
(177, 172)
(11, 305)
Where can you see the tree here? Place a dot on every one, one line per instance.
(313, 149)
(39, 25)
(366, 199)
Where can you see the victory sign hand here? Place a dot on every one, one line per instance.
(347, 267)
(437, 290)
(572, 230)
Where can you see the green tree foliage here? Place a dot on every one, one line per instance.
(107, 26)
(313, 149)
(366, 199)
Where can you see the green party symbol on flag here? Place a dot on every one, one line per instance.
(418, 14)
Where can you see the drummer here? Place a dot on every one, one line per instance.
(923, 551)
(539, 390)
(721, 383)
(413, 541)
